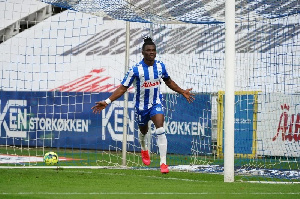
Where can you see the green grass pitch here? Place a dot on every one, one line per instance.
(74, 183)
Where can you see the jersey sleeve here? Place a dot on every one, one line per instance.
(165, 75)
(129, 78)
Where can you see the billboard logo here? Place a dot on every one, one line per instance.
(17, 113)
(112, 121)
(16, 121)
(288, 126)
(184, 128)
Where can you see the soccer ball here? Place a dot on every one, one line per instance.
(51, 158)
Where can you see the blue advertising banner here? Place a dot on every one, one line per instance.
(244, 126)
(65, 120)
(188, 127)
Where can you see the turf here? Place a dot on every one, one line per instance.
(124, 183)
(104, 158)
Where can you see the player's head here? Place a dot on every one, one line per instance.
(149, 49)
(147, 41)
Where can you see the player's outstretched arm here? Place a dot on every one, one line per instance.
(186, 93)
(102, 104)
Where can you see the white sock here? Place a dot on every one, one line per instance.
(142, 141)
(162, 144)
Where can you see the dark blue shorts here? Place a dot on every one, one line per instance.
(143, 117)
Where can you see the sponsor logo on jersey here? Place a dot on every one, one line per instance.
(148, 84)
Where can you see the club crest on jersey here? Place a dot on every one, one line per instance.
(148, 84)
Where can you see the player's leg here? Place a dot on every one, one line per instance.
(158, 121)
(157, 117)
(142, 134)
(143, 119)
(144, 150)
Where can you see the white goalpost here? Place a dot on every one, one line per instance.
(124, 148)
(229, 90)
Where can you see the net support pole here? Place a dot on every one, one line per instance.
(149, 135)
(125, 120)
(229, 90)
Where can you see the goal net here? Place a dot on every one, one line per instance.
(59, 57)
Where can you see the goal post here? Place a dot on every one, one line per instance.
(229, 90)
(125, 122)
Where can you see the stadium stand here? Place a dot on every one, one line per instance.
(19, 15)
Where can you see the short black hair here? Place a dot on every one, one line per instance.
(148, 41)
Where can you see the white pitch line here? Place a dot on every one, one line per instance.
(270, 182)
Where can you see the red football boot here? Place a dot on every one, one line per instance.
(146, 157)
(164, 168)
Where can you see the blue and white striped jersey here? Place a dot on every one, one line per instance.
(146, 80)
